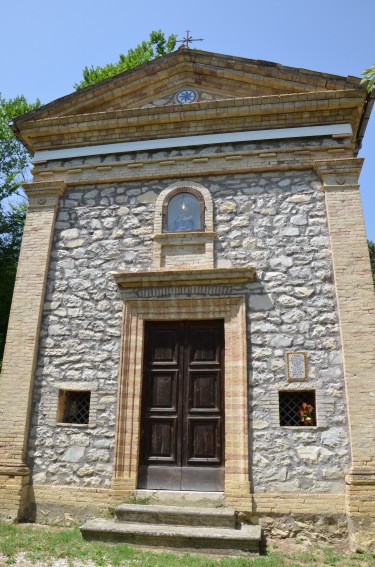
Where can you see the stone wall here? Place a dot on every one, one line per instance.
(275, 221)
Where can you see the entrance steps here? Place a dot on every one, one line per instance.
(194, 529)
(183, 498)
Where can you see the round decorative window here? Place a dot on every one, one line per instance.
(186, 95)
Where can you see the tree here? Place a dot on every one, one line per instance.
(14, 158)
(156, 46)
(371, 249)
(10, 243)
(14, 170)
(15, 164)
(369, 75)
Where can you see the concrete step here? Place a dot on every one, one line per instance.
(176, 515)
(182, 498)
(223, 541)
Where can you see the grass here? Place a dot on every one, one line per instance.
(138, 500)
(46, 544)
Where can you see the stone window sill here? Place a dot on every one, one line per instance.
(75, 425)
(306, 427)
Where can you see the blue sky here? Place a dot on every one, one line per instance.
(45, 45)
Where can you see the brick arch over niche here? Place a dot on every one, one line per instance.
(178, 250)
(172, 190)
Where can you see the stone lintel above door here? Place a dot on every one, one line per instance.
(185, 277)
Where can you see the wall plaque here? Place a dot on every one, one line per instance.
(296, 364)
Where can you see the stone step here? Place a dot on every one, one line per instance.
(223, 541)
(176, 515)
(182, 498)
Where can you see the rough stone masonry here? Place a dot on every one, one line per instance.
(275, 222)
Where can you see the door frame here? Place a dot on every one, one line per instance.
(233, 310)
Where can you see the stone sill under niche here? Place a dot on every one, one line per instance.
(180, 238)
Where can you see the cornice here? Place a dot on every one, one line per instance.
(295, 157)
(270, 103)
(229, 115)
(172, 278)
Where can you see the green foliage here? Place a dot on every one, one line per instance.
(156, 46)
(47, 545)
(14, 158)
(11, 223)
(369, 75)
(371, 249)
(14, 170)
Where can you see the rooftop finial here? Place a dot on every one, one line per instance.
(188, 39)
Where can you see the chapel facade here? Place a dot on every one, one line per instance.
(194, 309)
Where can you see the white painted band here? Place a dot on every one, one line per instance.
(205, 139)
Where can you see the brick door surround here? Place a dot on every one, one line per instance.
(135, 312)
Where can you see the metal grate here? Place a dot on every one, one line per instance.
(76, 407)
(291, 402)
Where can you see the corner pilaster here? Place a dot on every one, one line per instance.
(21, 347)
(356, 305)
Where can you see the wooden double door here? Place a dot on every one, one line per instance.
(182, 423)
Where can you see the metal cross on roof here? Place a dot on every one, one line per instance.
(188, 39)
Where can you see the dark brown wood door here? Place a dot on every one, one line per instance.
(182, 428)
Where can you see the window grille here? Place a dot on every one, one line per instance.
(74, 407)
(290, 403)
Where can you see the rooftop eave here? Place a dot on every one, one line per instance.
(60, 132)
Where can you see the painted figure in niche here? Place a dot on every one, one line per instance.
(184, 213)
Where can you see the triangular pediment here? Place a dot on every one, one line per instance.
(211, 76)
(220, 93)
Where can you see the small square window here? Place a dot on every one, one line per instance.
(297, 408)
(74, 407)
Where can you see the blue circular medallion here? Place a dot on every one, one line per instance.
(186, 95)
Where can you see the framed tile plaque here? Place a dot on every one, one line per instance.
(296, 365)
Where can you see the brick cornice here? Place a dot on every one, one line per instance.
(234, 114)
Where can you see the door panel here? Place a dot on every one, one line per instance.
(204, 391)
(162, 439)
(204, 344)
(204, 445)
(163, 390)
(164, 345)
(182, 406)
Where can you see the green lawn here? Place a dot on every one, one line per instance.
(48, 544)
